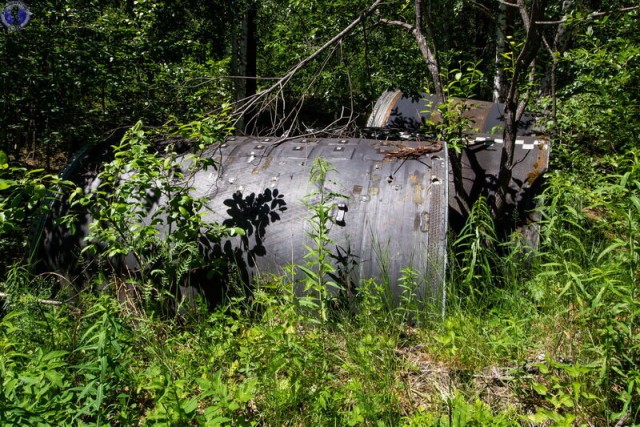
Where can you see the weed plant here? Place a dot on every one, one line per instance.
(532, 336)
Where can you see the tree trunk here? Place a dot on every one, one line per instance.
(426, 44)
(501, 29)
(244, 58)
(251, 50)
(428, 49)
(514, 107)
(239, 59)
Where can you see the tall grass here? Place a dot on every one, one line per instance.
(531, 337)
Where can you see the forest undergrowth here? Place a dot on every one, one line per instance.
(546, 336)
(533, 336)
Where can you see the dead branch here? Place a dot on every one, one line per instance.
(280, 113)
(249, 104)
(406, 152)
(401, 24)
(506, 3)
(41, 301)
(425, 44)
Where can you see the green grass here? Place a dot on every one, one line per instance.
(549, 337)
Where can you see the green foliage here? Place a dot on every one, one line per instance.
(476, 248)
(318, 268)
(24, 194)
(485, 270)
(598, 108)
(35, 386)
(93, 67)
(590, 236)
(566, 396)
(144, 208)
(410, 307)
(462, 413)
(57, 368)
(104, 372)
(450, 123)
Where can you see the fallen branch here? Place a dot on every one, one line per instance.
(406, 152)
(41, 301)
(248, 104)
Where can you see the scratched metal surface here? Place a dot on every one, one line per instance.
(393, 215)
(482, 154)
(394, 109)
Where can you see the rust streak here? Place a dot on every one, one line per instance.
(418, 198)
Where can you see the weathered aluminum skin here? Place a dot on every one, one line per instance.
(482, 153)
(396, 110)
(393, 215)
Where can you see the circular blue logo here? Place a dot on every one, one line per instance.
(15, 15)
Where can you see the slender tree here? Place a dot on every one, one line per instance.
(515, 104)
(423, 33)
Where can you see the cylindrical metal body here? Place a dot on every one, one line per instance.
(395, 199)
(480, 157)
(391, 215)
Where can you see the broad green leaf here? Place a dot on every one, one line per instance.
(6, 183)
(188, 406)
(541, 389)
